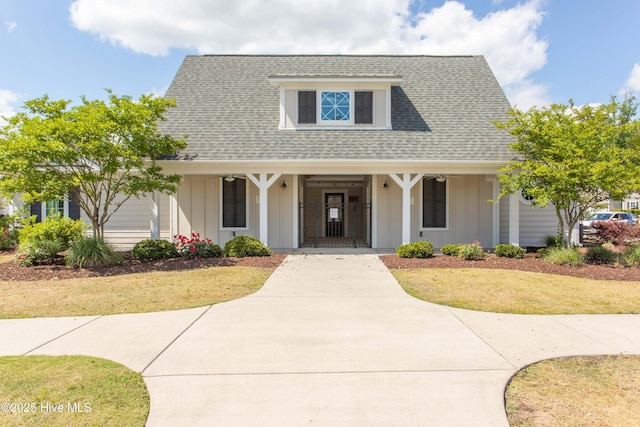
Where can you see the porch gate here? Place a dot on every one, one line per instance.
(335, 223)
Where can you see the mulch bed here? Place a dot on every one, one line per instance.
(57, 269)
(531, 262)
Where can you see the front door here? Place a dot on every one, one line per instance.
(334, 214)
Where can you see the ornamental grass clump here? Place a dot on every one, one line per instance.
(196, 247)
(564, 256)
(600, 255)
(631, 257)
(415, 250)
(91, 252)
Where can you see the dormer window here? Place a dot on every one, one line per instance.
(335, 107)
(309, 102)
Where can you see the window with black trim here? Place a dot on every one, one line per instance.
(307, 106)
(234, 203)
(364, 107)
(434, 203)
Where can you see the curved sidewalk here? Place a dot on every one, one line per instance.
(330, 340)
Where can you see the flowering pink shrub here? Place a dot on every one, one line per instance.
(196, 247)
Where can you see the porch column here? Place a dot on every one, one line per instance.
(406, 183)
(514, 219)
(495, 210)
(155, 216)
(263, 182)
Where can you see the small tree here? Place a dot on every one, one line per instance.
(574, 157)
(101, 153)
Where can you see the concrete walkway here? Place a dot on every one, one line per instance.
(330, 340)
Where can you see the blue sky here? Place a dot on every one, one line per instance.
(541, 51)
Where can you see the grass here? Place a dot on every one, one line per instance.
(576, 391)
(5, 258)
(70, 390)
(133, 293)
(506, 291)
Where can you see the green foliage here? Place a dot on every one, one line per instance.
(575, 157)
(90, 252)
(54, 228)
(631, 257)
(151, 249)
(243, 246)
(471, 252)
(415, 250)
(510, 251)
(32, 252)
(600, 255)
(95, 151)
(552, 241)
(8, 232)
(451, 250)
(195, 247)
(564, 256)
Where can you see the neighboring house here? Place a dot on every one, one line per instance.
(337, 150)
(630, 203)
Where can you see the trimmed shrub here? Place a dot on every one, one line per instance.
(451, 250)
(600, 255)
(55, 228)
(30, 253)
(616, 232)
(151, 249)
(564, 256)
(631, 257)
(195, 247)
(415, 250)
(90, 252)
(471, 252)
(245, 246)
(510, 251)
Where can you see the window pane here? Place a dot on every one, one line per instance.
(54, 207)
(306, 106)
(364, 107)
(434, 199)
(234, 203)
(335, 106)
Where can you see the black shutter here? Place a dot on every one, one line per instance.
(36, 209)
(74, 207)
(234, 203)
(364, 107)
(306, 106)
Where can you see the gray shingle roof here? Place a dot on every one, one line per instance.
(442, 111)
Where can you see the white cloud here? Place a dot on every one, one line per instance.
(507, 38)
(8, 100)
(632, 85)
(11, 25)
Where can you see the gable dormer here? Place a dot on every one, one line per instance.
(335, 102)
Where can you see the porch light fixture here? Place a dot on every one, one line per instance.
(385, 185)
(229, 178)
(441, 178)
(283, 185)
